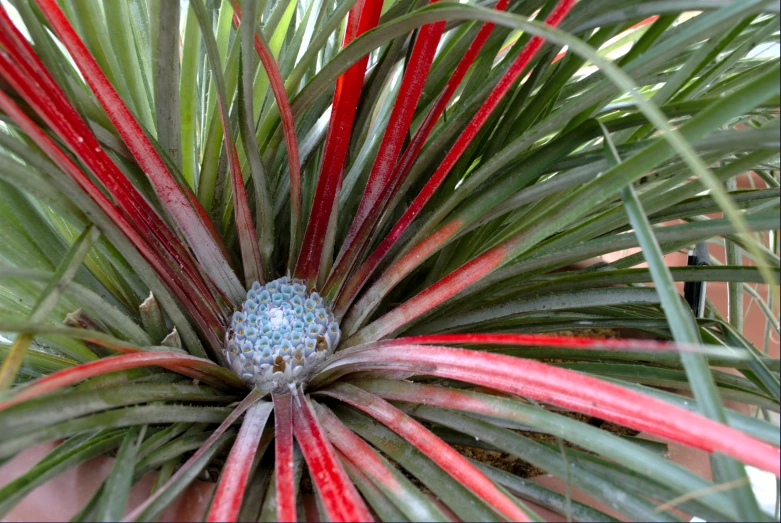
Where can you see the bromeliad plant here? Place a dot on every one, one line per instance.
(308, 208)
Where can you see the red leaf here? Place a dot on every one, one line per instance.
(286, 117)
(401, 169)
(397, 271)
(432, 446)
(151, 236)
(382, 176)
(201, 311)
(178, 201)
(564, 388)
(250, 251)
(283, 457)
(253, 397)
(348, 91)
(357, 451)
(233, 479)
(340, 498)
(367, 462)
(544, 340)
(426, 300)
(71, 375)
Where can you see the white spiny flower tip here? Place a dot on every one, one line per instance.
(279, 334)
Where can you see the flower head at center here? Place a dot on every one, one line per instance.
(279, 335)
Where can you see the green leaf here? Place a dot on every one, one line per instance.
(113, 500)
(48, 300)
(684, 330)
(57, 462)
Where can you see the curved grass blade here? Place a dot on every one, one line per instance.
(46, 303)
(338, 494)
(90, 369)
(235, 474)
(683, 330)
(461, 144)
(436, 449)
(179, 202)
(564, 388)
(195, 463)
(250, 251)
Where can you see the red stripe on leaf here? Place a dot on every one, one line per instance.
(382, 176)
(357, 450)
(432, 446)
(251, 398)
(203, 313)
(283, 457)
(340, 497)
(178, 201)
(564, 388)
(235, 475)
(410, 155)
(346, 96)
(545, 340)
(359, 457)
(426, 300)
(250, 251)
(33, 83)
(393, 274)
(71, 375)
(285, 113)
(375, 293)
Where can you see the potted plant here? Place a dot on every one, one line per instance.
(342, 260)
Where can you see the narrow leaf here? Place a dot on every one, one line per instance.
(197, 461)
(46, 303)
(113, 500)
(363, 17)
(283, 457)
(564, 388)
(235, 474)
(90, 369)
(250, 252)
(340, 498)
(440, 452)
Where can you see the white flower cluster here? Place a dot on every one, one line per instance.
(279, 335)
